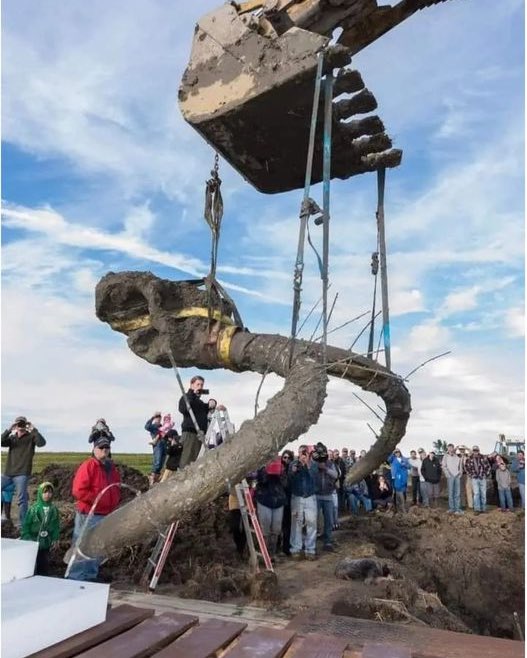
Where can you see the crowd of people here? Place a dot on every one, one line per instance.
(294, 494)
(299, 497)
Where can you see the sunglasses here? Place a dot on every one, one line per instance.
(286, 457)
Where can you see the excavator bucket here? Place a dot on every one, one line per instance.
(248, 88)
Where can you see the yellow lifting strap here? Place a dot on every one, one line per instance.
(143, 321)
(223, 344)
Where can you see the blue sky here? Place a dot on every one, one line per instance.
(100, 173)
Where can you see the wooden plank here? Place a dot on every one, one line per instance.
(321, 646)
(376, 650)
(262, 643)
(204, 641)
(203, 609)
(118, 620)
(420, 640)
(144, 639)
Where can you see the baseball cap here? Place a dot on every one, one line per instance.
(20, 419)
(475, 448)
(102, 442)
(421, 450)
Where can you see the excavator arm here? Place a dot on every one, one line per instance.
(248, 87)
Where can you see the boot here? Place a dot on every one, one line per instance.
(151, 479)
(6, 512)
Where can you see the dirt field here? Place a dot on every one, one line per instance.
(460, 573)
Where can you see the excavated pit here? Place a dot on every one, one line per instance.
(463, 573)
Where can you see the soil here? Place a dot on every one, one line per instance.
(463, 573)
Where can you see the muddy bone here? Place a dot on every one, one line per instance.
(248, 87)
(159, 316)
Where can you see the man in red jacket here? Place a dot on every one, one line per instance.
(93, 477)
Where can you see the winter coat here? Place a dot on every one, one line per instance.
(325, 479)
(518, 467)
(174, 451)
(431, 470)
(101, 431)
(21, 450)
(152, 428)
(200, 409)
(478, 468)
(270, 490)
(503, 478)
(42, 522)
(91, 478)
(342, 470)
(377, 494)
(452, 466)
(302, 479)
(399, 468)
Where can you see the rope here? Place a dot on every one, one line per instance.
(213, 212)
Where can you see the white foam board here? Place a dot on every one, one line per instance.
(18, 559)
(38, 612)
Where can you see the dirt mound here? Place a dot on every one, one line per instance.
(474, 565)
(61, 477)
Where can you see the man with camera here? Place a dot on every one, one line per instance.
(192, 441)
(21, 439)
(303, 505)
(100, 430)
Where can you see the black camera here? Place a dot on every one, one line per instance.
(204, 391)
(320, 453)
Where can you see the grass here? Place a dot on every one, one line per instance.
(141, 462)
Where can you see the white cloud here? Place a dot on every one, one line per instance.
(460, 300)
(515, 321)
(128, 242)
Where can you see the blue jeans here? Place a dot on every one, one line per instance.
(304, 510)
(505, 498)
(522, 494)
(271, 524)
(158, 457)
(326, 506)
(84, 569)
(354, 501)
(479, 487)
(335, 508)
(21, 489)
(454, 494)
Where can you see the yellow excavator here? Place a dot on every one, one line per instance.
(248, 87)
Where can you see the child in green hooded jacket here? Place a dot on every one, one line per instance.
(42, 524)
